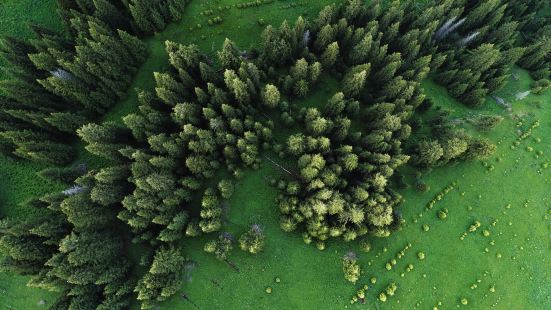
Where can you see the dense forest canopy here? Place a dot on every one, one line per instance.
(173, 164)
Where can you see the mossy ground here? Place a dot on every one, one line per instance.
(517, 265)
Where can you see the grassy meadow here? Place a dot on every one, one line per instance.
(504, 264)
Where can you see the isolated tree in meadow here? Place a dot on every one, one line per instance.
(350, 267)
(253, 240)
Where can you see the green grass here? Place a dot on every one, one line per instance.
(312, 279)
(16, 14)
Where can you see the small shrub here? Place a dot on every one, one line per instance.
(487, 122)
(365, 246)
(422, 186)
(425, 105)
(540, 86)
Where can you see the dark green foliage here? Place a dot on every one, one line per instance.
(144, 16)
(104, 140)
(540, 86)
(28, 244)
(163, 279)
(536, 32)
(447, 143)
(279, 45)
(153, 15)
(70, 248)
(473, 68)
(425, 105)
(59, 85)
(486, 122)
(63, 174)
(103, 62)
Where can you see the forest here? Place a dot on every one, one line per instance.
(168, 175)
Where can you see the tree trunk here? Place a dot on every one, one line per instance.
(232, 265)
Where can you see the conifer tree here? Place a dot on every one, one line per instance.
(229, 55)
(271, 96)
(330, 55)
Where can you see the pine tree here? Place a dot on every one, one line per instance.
(65, 174)
(140, 14)
(330, 55)
(301, 88)
(66, 121)
(354, 81)
(428, 153)
(229, 55)
(271, 96)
